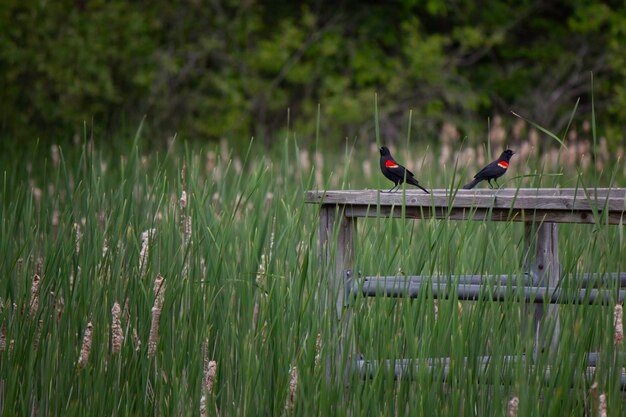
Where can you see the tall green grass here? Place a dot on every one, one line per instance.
(245, 283)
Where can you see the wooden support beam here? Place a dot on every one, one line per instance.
(336, 240)
(541, 260)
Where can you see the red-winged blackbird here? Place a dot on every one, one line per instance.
(395, 172)
(493, 171)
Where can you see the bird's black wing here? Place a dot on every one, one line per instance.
(399, 170)
(486, 169)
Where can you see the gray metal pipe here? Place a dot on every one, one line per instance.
(407, 287)
(408, 368)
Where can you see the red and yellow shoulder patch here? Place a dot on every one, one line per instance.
(390, 164)
(503, 164)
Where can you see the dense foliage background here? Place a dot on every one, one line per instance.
(233, 69)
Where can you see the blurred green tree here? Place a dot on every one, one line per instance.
(225, 68)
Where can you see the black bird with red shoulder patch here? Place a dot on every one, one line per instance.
(493, 171)
(395, 172)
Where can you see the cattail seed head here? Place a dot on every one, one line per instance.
(210, 372)
(85, 350)
(105, 247)
(117, 334)
(37, 335)
(78, 235)
(153, 340)
(72, 279)
(619, 326)
(34, 295)
(602, 407)
(188, 228)
(144, 253)
(513, 407)
(318, 350)
(272, 238)
(183, 200)
(159, 298)
(159, 290)
(3, 337)
(136, 340)
(20, 261)
(202, 271)
(3, 330)
(203, 412)
(290, 403)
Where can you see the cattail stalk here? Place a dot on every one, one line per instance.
(85, 350)
(602, 407)
(3, 337)
(210, 371)
(159, 298)
(619, 326)
(105, 247)
(290, 403)
(19, 274)
(3, 330)
(318, 350)
(37, 335)
(78, 236)
(136, 340)
(183, 205)
(153, 341)
(72, 279)
(117, 334)
(203, 412)
(145, 251)
(513, 407)
(272, 238)
(34, 295)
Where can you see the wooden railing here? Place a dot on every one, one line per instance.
(540, 209)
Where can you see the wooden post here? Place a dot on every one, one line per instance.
(541, 261)
(336, 258)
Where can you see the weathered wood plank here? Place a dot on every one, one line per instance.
(614, 202)
(514, 215)
(313, 196)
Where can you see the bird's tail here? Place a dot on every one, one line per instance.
(472, 184)
(414, 182)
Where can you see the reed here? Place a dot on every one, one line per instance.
(245, 275)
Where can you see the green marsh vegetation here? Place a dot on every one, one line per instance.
(184, 282)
